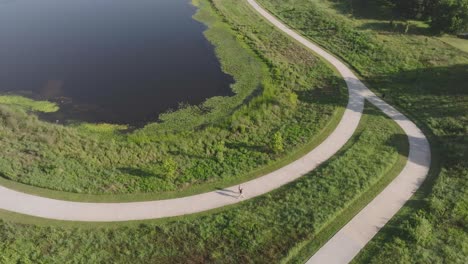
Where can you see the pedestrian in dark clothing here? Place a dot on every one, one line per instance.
(241, 193)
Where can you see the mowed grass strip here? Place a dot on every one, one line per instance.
(457, 42)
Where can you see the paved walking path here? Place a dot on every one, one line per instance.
(340, 249)
(347, 243)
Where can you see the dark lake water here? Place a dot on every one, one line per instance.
(118, 61)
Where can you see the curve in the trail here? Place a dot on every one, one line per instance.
(28, 204)
(348, 241)
(340, 249)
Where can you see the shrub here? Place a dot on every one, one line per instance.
(169, 167)
(277, 144)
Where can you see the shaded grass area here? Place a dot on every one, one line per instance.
(280, 88)
(426, 79)
(262, 230)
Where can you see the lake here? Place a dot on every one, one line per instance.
(116, 61)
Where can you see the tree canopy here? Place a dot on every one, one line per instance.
(444, 16)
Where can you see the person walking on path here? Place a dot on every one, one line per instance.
(241, 193)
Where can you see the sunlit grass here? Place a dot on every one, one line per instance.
(458, 43)
(28, 104)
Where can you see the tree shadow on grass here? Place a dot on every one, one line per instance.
(189, 155)
(318, 96)
(432, 92)
(333, 95)
(137, 172)
(251, 147)
(362, 9)
(382, 14)
(397, 27)
(450, 80)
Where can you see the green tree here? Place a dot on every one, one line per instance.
(410, 9)
(449, 16)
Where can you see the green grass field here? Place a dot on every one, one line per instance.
(426, 79)
(461, 44)
(280, 88)
(15, 101)
(263, 230)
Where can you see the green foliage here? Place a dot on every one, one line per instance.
(169, 167)
(412, 9)
(278, 86)
(420, 229)
(427, 79)
(450, 16)
(277, 143)
(459, 43)
(28, 104)
(220, 149)
(261, 230)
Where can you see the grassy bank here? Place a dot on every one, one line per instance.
(424, 77)
(262, 230)
(22, 103)
(280, 89)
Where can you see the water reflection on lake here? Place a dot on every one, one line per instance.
(119, 61)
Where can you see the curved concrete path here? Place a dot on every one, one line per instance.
(340, 249)
(347, 242)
